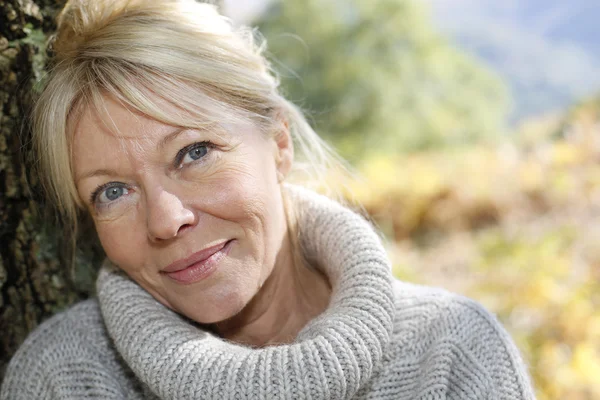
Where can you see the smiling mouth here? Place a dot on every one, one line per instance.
(199, 265)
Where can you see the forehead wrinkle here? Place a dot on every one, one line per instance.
(128, 134)
(129, 148)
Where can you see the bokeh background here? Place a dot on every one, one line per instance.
(474, 128)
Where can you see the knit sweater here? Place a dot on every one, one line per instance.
(378, 338)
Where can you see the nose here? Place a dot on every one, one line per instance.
(167, 216)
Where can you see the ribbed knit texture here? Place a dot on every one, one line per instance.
(378, 339)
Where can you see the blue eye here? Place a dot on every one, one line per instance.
(192, 153)
(109, 193)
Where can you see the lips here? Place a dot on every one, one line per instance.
(197, 266)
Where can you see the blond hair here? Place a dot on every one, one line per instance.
(142, 52)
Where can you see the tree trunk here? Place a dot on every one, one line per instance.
(35, 278)
(34, 281)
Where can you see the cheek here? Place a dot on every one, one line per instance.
(246, 193)
(242, 185)
(251, 194)
(112, 235)
(254, 200)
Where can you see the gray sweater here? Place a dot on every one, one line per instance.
(378, 339)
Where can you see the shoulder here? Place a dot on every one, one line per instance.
(76, 330)
(62, 356)
(456, 341)
(441, 312)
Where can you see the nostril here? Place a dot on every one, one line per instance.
(184, 228)
(167, 214)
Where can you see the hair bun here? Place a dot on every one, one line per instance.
(77, 21)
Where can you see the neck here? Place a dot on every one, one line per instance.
(333, 356)
(291, 296)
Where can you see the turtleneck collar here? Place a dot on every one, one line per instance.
(332, 356)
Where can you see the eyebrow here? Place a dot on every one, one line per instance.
(109, 172)
(98, 172)
(171, 136)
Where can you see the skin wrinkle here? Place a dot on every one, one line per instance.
(258, 295)
(275, 287)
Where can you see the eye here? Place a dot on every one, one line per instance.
(192, 153)
(195, 154)
(108, 193)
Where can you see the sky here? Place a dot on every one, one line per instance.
(547, 50)
(244, 11)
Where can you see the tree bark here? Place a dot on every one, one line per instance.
(35, 277)
(35, 280)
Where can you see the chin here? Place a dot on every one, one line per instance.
(220, 307)
(223, 296)
(224, 313)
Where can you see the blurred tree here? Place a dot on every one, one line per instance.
(35, 278)
(377, 77)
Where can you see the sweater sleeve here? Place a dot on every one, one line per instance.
(66, 357)
(485, 351)
(450, 347)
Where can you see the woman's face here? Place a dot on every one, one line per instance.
(195, 217)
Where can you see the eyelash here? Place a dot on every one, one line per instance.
(182, 153)
(100, 189)
(178, 160)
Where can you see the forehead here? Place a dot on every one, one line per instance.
(109, 133)
(111, 117)
(111, 136)
(111, 121)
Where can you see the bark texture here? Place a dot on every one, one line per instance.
(34, 281)
(35, 277)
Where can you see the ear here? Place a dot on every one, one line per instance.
(284, 156)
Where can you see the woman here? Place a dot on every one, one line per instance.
(164, 125)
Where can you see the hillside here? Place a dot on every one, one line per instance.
(547, 50)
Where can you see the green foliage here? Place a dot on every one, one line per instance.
(36, 38)
(376, 77)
